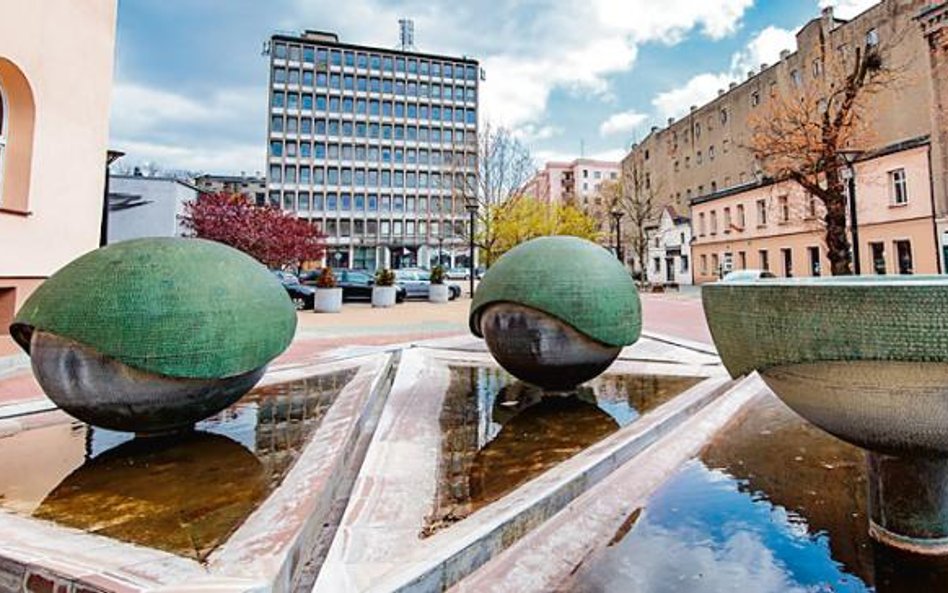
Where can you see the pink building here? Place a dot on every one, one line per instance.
(56, 59)
(578, 181)
(777, 227)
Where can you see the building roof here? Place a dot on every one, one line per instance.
(368, 48)
(186, 184)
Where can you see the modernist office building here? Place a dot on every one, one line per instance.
(376, 146)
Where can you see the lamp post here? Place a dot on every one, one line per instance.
(617, 214)
(470, 204)
(849, 158)
(110, 157)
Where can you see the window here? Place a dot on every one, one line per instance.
(704, 265)
(877, 250)
(898, 185)
(714, 222)
(787, 256)
(742, 260)
(903, 254)
(761, 212)
(764, 259)
(727, 220)
(814, 255)
(817, 68)
(715, 265)
(872, 37)
(711, 152)
(740, 216)
(724, 116)
(784, 203)
(684, 263)
(796, 78)
(701, 224)
(755, 98)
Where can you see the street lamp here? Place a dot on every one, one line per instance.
(849, 158)
(617, 214)
(470, 204)
(110, 157)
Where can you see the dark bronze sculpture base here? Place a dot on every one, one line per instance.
(542, 350)
(104, 392)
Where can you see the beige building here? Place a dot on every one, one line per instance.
(703, 155)
(56, 61)
(777, 226)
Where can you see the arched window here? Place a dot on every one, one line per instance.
(17, 115)
(3, 132)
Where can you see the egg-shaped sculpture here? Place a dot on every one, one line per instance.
(153, 335)
(556, 311)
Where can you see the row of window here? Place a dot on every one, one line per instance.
(360, 202)
(898, 196)
(372, 154)
(372, 107)
(397, 229)
(904, 262)
(699, 156)
(369, 178)
(362, 60)
(370, 131)
(365, 84)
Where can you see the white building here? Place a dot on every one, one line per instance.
(147, 206)
(669, 249)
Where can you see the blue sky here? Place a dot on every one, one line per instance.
(190, 82)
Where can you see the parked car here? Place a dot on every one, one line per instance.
(416, 281)
(309, 277)
(745, 275)
(479, 272)
(301, 295)
(357, 285)
(458, 273)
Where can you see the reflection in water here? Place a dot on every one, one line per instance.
(499, 433)
(184, 493)
(774, 504)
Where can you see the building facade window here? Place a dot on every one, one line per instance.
(898, 187)
(761, 212)
(814, 256)
(877, 251)
(764, 259)
(787, 254)
(740, 216)
(784, 202)
(903, 254)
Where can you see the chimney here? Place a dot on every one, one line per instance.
(750, 74)
(694, 108)
(654, 129)
(720, 92)
(763, 66)
(827, 12)
(784, 54)
(732, 85)
(671, 120)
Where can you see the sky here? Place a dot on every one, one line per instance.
(569, 77)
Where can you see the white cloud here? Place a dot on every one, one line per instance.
(764, 48)
(528, 51)
(847, 9)
(622, 123)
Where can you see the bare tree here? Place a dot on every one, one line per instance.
(803, 135)
(634, 195)
(502, 166)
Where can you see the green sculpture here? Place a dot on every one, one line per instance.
(167, 331)
(556, 311)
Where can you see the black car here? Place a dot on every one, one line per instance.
(357, 285)
(301, 295)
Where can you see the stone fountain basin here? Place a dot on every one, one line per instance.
(864, 358)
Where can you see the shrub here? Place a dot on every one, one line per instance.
(385, 277)
(327, 279)
(437, 275)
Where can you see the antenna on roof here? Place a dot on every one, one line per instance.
(406, 34)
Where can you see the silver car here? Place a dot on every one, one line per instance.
(416, 281)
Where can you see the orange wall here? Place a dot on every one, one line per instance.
(879, 221)
(62, 50)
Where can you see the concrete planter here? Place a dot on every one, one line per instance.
(438, 293)
(328, 300)
(383, 296)
(863, 358)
